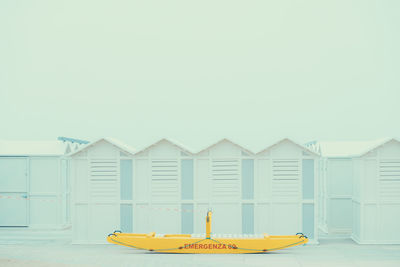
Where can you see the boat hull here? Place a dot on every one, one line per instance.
(188, 244)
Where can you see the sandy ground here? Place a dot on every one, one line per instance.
(328, 253)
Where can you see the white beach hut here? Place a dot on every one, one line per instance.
(376, 194)
(360, 190)
(99, 175)
(336, 184)
(163, 188)
(286, 190)
(33, 187)
(224, 182)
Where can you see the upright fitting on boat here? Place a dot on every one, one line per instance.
(208, 224)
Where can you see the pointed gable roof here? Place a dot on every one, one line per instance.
(377, 145)
(291, 141)
(229, 141)
(120, 145)
(170, 141)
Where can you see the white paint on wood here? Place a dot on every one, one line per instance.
(165, 218)
(285, 219)
(44, 176)
(227, 218)
(225, 149)
(80, 229)
(262, 218)
(202, 178)
(81, 180)
(369, 181)
(141, 219)
(103, 219)
(285, 149)
(164, 149)
(141, 180)
(102, 149)
(263, 179)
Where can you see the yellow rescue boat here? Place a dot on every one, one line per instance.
(181, 243)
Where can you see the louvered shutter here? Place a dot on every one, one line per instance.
(164, 179)
(103, 179)
(389, 179)
(225, 178)
(285, 178)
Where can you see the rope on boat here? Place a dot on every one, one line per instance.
(259, 250)
(162, 249)
(230, 246)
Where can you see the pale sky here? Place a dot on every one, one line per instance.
(198, 71)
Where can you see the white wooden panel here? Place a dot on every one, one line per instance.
(389, 190)
(286, 149)
(81, 180)
(141, 180)
(340, 215)
(285, 219)
(165, 218)
(141, 219)
(13, 209)
(164, 180)
(389, 217)
(81, 154)
(225, 149)
(263, 179)
(285, 179)
(369, 223)
(13, 173)
(65, 191)
(322, 195)
(103, 182)
(13, 192)
(390, 150)
(358, 172)
(356, 220)
(44, 211)
(225, 179)
(389, 179)
(44, 175)
(104, 219)
(227, 219)
(262, 219)
(370, 181)
(164, 150)
(202, 179)
(80, 224)
(103, 150)
(340, 177)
